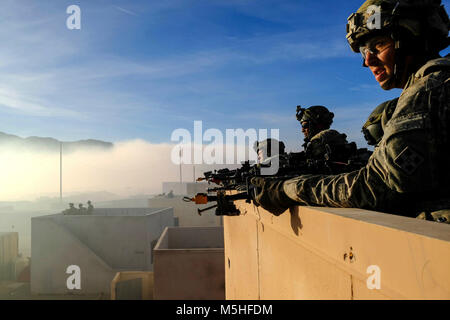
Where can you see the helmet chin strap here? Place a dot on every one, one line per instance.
(399, 54)
(402, 49)
(399, 63)
(404, 67)
(313, 130)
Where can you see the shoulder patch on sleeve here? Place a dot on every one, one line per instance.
(409, 160)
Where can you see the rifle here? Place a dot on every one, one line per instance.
(290, 165)
(224, 206)
(237, 179)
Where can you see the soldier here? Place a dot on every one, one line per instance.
(90, 208)
(325, 150)
(81, 209)
(408, 172)
(72, 210)
(264, 149)
(321, 142)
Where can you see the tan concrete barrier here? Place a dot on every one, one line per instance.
(330, 253)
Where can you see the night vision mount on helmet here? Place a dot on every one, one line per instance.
(316, 115)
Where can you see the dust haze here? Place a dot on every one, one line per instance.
(130, 168)
(126, 175)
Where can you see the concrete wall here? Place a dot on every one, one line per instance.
(132, 285)
(187, 212)
(325, 253)
(101, 245)
(9, 251)
(189, 264)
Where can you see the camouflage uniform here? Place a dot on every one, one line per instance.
(323, 143)
(373, 127)
(338, 147)
(408, 172)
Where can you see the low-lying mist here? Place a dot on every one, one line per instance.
(129, 168)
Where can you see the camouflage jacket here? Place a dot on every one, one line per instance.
(409, 170)
(329, 143)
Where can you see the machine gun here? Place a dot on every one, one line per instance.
(290, 166)
(227, 180)
(231, 179)
(224, 206)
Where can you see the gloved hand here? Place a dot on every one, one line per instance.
(271, 196)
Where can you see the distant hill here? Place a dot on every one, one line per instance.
(51, 145)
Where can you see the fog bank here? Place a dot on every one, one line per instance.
(129, 168)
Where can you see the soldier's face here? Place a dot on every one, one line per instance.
(379, 56)
(305, 128)
(260, 155)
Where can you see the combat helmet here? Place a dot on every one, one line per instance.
(417, 27)
(423, 19)
(316, 115)
(372, 128)
(266, 146)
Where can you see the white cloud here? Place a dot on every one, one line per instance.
(126, 11)
(13, 100)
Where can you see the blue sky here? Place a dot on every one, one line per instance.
(140, 69)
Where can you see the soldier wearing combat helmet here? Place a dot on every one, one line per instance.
(396, 38)
(320, 141)
(408, 172)
(264, 149)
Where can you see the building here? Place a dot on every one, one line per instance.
(93, 248)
